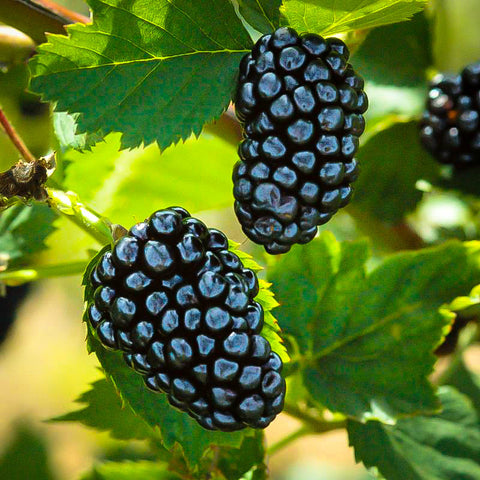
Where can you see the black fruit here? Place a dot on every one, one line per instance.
(301, 107)
(450, 127)
(181, 307)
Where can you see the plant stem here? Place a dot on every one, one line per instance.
(15, 138)
(315, 425)
(64, 12)
(31, 18)
(68, 203)
(17, 277)
(226, 127)
(290, 438)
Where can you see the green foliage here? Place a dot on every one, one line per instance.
(23, 231)
(407, 67)
(439, 447)
(25, 456)
(392, 161)
(263, 15)
(131, 471)
(104, 411)
(365, 341)
(154, 74)
(330, 17)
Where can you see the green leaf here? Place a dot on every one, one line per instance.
(104, 411)
(26, 456)
(23, 231)
(129, 186)
(330, 17)
(154, 74)
(366, 340)
(386, 186)
(65, 126)
(248, 460)
(440, 447)
(131, 471)
(468, 383)
(468, 306)
(409, 54)
(263, 15)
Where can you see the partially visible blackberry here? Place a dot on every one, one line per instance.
(181, 307)
(301, 107)
(450, 126)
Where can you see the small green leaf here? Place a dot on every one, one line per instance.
(104, 411)
(440, 447)
(263, 15)
(25, 457)
(23, 231)
(330, 17)
(366, 340)
(65, 126)
(131, 471)
(154, 74)
(391, 163)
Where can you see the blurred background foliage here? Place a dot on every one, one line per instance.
(43, 362)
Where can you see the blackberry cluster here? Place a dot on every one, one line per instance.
(301, 107)
(181, 307)
(450, 127)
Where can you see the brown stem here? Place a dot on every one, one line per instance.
(227, 127)
(15, 138)
(35, 18)
(62, 11)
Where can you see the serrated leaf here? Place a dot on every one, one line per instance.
(386, 187)
(408, 58)
(130, 471)
(65, 126)
(366, 340)
(439, 447)
(154, 74)
(104, 411)
(263, 15)
(23, 231)
(467, 306)
(330, 17)
(25, 456)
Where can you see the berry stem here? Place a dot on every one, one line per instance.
(15, 138)
(18, 277)
(288, 439)
(314, 424)
(226, 127)
(68, 203)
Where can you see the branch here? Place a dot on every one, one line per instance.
(35, 19)
(18, 277)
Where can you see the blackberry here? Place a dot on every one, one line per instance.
(181, 306)
(301, 105)
(450, 126)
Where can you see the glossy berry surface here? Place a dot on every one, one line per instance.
(181, 307)
(450, 126)
(301, 104)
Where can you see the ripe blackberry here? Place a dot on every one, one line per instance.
(301, 107)
(181, 307)
(450, 127)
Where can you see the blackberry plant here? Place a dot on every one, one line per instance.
(209, 356)
(301, 107)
